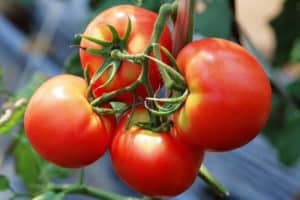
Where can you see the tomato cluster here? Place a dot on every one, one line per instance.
(228, 102)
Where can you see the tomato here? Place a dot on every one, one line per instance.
(61, 125)
(153, 163)
(229, 95)
(142, 26)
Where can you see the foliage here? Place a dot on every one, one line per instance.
(283, 126)
(287, 31)
(72, 65)
(295, 52)
(4, 183)
(216, 12)
(14, 109)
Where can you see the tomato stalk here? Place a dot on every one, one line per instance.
(81, 176)
(206, 176)
(87, 190)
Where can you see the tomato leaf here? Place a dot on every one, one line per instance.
(27, 164)
(213, 19)
(54, 171)
(288, 19)
(13, 114)
(50, 196)
(10, 117)
(295, 53)
(73, 65)
(283, 126)
(32, 168)
(4, 183)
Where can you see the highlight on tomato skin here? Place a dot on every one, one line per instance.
(230, 95)
(153, 163)
(142, 21)
(61, 125)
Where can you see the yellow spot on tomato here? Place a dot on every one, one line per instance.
(149, 141)
(183, 120)
(137, 44)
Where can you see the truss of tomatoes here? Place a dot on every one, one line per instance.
(228, 103)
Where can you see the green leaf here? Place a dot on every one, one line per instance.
(27, 164)
(12, 115)
(56, 171)
(287, 30)
(50, 196)
(215, 20)
(73, 65)
(4, 183)
(34, 170)
(295, 53)
(283, 126)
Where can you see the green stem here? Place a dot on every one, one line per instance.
(205, 175)
(132, 110)
(108, 96)
(164, 12)
(191, 21)
(89, 191)
(136, 58)
(81, 177)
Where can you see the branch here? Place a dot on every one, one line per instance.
(88, 191)
(235, 31)
(208, 178)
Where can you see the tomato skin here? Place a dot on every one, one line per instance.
(230, 95)
(154, 164)
(142, 25)
(61, 125)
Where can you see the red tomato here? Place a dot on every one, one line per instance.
(154, 164)
(142, 26)
(230, 95)
(61, 125)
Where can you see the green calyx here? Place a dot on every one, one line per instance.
(110, 64)
(107, 47)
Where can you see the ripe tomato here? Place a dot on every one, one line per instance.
(61, 125)
(230, 95)
(142, 25)
(154, 164)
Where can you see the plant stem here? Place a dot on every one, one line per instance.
(164, 12)
(234, 25)
(108, 96)
(89, 191)
(205, 175)
(81, 176)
